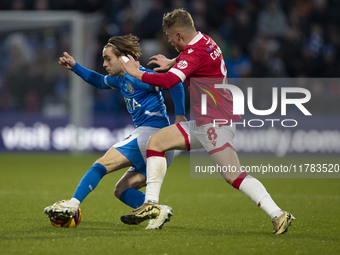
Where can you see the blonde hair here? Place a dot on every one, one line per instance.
(125, 45)
(178, 18)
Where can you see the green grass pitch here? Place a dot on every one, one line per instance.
(210, 216)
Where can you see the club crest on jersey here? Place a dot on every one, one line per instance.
(182, 64)
(130, 88)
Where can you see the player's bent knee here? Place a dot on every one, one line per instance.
(109, 165)
(154, 143)
(118, 191)
(102, 162)
(121, 186)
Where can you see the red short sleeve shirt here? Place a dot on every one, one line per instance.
(202, 58)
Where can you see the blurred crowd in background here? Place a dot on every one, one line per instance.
(258, 38)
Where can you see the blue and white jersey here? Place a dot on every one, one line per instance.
(144, 102)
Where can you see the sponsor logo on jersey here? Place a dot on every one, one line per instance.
(182, 64)
(190, 50)
(131, 104)
(130, 88)
(153, 113)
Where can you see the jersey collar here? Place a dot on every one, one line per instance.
(197, 37)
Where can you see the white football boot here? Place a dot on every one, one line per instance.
(61, 209)
(163, 217)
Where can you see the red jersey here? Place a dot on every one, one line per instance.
(201, 63)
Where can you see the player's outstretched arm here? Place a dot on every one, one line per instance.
(67, 61)
(93, 78)
(163, 62)
(165, 80)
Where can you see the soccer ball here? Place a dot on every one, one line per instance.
(66, 222)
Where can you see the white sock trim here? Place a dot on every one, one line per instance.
(74, 201)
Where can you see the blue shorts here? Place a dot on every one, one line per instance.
(134, 148)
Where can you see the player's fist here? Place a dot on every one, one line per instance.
(67, 61)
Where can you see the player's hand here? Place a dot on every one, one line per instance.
(132, 67)
(163, 62)
(67, 61)
(180, 118)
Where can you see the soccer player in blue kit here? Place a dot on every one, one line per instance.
(146, 105)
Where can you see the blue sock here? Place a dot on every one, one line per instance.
(89, 181)
(132, 197)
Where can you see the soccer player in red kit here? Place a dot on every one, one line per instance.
(200, 62)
